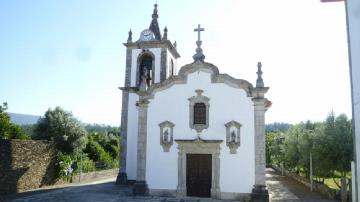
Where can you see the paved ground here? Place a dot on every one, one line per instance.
(280, 189)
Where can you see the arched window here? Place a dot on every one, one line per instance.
(145, 69)
(199, 113)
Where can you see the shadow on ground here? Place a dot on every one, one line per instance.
(92, 192)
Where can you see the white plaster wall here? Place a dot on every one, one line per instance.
(226, 104)
(353, 12)
(135, 54)
(132, 133)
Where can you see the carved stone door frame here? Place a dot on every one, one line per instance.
(199, 146)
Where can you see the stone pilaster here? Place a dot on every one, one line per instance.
(122, 176)
(259, 192)
(215, 187)
(163, 64)
(140, 186)
(260, 164)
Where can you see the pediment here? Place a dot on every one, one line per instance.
(197, 66)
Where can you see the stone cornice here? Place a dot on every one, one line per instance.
(142, 103)
(151, 44)
(259, 92)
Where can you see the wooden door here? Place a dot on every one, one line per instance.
(198, 175)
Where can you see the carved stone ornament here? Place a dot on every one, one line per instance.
(166, 135)
(233, 136)
(199, 98)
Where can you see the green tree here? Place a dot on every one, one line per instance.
(66, 131)
(320, 151)
(339, 139)
(7, 129)
(343, 145)
(292, 154)
(275, 148)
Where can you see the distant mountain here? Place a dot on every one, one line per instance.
(277, 127)
(23, 119)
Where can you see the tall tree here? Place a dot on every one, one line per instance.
(60, 126)
(292, 154)
(338, 140)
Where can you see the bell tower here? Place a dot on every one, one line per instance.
(150, 59)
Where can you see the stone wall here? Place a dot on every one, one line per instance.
(25, 164)
(323, 189)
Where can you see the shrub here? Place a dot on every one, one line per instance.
(64, 166)
(94, 150)
(103, 159)
(88, 165)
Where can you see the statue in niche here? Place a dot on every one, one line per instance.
(233, 137)
(166, 136)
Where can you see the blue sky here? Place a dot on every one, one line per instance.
(70, 53)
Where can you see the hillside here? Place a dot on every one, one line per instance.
(23, 119)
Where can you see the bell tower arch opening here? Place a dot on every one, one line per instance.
(146, 69)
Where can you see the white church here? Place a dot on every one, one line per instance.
(193, 132)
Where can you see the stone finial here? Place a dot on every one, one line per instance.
(155, 12)
(165, 33)
(199, 53)
(175, 45)
(259, 80)
(154, 25)
(129, 40)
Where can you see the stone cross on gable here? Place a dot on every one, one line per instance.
(199, 29)
(199, 54)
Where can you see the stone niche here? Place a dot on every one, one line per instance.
(233, 136)
(166, 135)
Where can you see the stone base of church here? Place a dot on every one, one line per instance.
(140, 188)
(121, 178)
(163, 192)
(221, 195)
(235, 196)
(259, 193)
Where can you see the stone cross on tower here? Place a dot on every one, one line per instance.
(199, 54)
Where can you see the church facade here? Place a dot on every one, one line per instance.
(193, 132)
